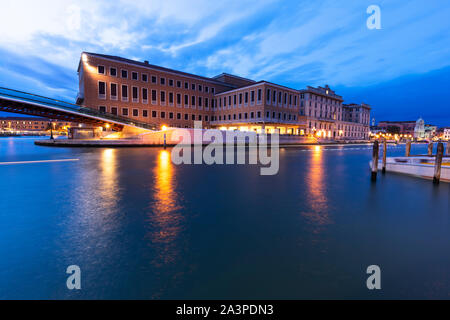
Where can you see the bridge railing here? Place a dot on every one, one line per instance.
(72, 107)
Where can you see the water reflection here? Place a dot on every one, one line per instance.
(97, 192)
(108, 179)
(318, 215)
(165, 216)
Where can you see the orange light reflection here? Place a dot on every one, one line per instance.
(165, 215)
(318, 216)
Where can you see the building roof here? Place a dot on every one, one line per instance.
(257, 83)
(323, 92)
(233, 76)
(155, 67)
(356, 105)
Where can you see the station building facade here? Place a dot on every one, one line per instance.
(167, 97)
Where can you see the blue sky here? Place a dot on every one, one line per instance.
(402, 70)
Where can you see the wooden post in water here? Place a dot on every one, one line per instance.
(384, 155)
(430, 149)
(164, 140)
(448, 148)
(438, 163)
(375, 152)
(408, 148)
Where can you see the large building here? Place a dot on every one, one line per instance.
(327, 116)
(162, 96)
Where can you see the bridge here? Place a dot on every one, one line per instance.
(15, 101)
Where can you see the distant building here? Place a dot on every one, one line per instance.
(30, 124)
(419, 130)
(430, 131)
(398, 127)
(446, 135)
(377, 130)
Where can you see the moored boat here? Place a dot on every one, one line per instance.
(422, 166)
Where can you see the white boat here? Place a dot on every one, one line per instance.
(422, 166)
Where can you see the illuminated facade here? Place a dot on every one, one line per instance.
(166, 97)
(399, 127)
(327, 116)
(446, 134)
(27, 124)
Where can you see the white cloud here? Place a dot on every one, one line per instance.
(319, 40)
(414, 39)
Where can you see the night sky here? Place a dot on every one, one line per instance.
(402, 69)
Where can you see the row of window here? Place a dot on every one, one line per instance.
(154, 79)
(346, 128)
(251, 115)
(163, 96)
(178, 116)
(274, 96)
(320, 98)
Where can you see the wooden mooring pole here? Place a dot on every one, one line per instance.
(430, 149)
(375, 153)
(438, 163)
(448, 149)
(408, 148)
(384, 156)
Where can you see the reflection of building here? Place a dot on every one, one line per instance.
(153, 94)
(34, 124)
(398, 127)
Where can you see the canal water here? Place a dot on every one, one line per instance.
(140, 227)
